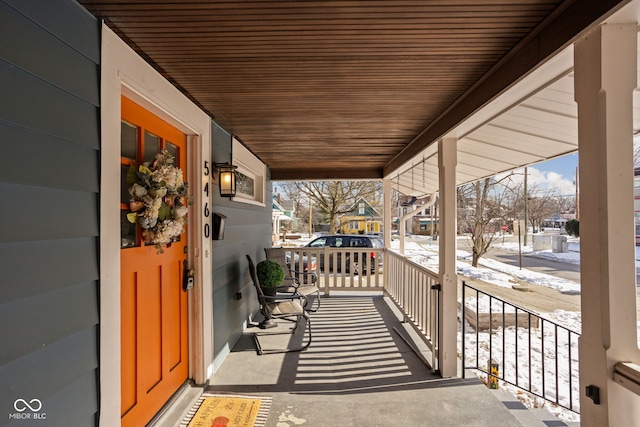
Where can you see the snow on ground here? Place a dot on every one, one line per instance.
(535, 369)
(485, 346)
(495, 272)
(562, 285)
(520, 367)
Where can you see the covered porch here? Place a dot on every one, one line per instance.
(423, 96)
(366, 367)
(567, 84)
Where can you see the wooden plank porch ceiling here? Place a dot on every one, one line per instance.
(343, 89)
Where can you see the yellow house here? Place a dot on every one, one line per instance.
(361, 219)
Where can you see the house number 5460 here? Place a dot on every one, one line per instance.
(207, 211)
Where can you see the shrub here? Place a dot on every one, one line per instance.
(573, 227)
(270, 273)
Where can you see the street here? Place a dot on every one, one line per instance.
(555, 268)
(564, 270)
(538, 298)
(545, 298)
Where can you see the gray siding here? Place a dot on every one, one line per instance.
(248, 231)
(49, 183)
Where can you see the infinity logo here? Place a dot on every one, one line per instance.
(21, 405)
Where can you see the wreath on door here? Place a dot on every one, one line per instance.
(158, 200)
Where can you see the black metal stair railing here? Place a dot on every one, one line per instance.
(519, 347)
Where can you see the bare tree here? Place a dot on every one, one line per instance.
(333, 198)
(543, 203)
(481, 212)
(564, 204)
(304, 218)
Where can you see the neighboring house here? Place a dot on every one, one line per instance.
(283, 215)
(557, 220)
(361, 219)
(427, 222)
(424, 223)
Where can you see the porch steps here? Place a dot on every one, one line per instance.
(536, 417)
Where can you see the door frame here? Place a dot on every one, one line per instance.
(123, 72)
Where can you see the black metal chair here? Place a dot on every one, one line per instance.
(292, 283)
(281, 306)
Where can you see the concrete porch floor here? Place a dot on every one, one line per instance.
(358, 371)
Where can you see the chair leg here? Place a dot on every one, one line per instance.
(260, 350)
(258, 346)
(308, 327)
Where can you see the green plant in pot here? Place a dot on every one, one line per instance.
(270, 276)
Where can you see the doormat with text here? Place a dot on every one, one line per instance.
(223, 410)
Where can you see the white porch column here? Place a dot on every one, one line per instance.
(386, 223)
(605, 77)
(448, 317)
(386, 215)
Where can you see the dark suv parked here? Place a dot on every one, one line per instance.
(351, 243)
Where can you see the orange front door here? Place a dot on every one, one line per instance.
(154, 331)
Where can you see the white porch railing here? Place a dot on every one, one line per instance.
(346, 269)
(415, 289)
(412, 287)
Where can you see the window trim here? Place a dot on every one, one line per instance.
(251, 166)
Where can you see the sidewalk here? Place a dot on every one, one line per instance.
(540, 299)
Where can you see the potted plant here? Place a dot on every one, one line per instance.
(270, 276)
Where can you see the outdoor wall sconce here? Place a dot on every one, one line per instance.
(226, 179)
